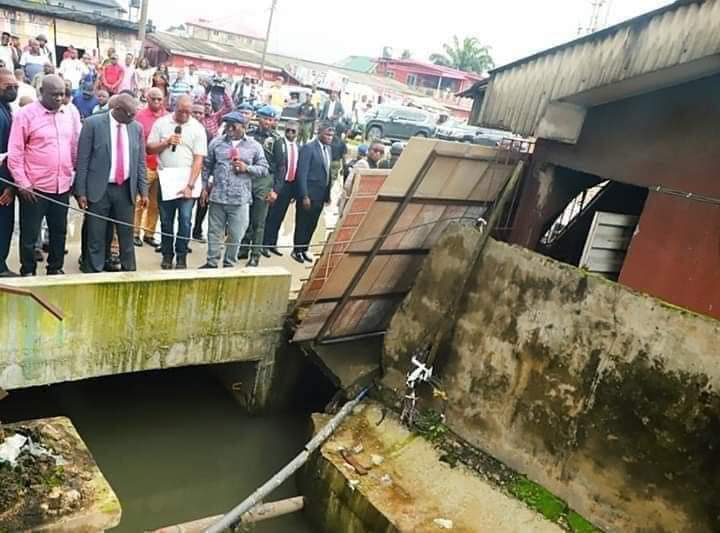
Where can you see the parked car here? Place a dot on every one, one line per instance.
(399, 123)
(454, 130)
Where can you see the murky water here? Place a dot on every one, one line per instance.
(173, 444)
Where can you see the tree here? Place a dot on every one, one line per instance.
(406, 54)
(468, 55)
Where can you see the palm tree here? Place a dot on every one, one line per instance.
(468, 55)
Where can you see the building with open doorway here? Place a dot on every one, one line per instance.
(624, 177)
(64, 26)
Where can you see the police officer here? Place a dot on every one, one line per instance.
(263, 194)
(395, 150)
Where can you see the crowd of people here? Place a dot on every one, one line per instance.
(130, 147)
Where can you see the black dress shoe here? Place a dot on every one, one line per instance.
(137, 241)
(253, 261)
(58, 272)
(244, 253)
(297, 256)
(207, 266)
(158, 249)
(151, 241)
(228, 265)
(275, 251)
(27, 274)
(307, 258)
(181, 263)
(264, 252)
(167, 262)
(8, 274)
(112, 267)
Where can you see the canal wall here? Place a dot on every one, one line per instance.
(605, 396)
(118, 323)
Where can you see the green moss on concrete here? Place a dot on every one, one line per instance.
(550, 506)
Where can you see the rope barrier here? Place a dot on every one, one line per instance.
(224, 243)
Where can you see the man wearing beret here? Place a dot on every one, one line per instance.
(235, 161)
(263, 195)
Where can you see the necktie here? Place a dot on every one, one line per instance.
(326, 152)
(293, 164)
(119, 157)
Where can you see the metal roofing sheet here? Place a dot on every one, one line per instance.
(196, 47)
(70, 14)
(518, 93)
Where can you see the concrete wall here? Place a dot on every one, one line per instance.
(117, 323)
(669, 138)
(605, 396)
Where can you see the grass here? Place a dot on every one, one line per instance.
(550, 506)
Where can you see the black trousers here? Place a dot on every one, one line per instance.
(277, 213)
(7, 225)
(31, 215)
(305, 223)
(200, 214)
(116, 203)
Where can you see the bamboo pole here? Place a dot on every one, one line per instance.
(264, 511)
(293, 466)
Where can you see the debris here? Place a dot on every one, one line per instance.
(11, 448)
(349, 459)
(72, 497)
(386, 480)
(353, 483)
(358, 449)
(377, 460)
(443, 523)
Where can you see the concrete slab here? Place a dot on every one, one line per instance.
(72, 497)
(126, 322)
(411, 490)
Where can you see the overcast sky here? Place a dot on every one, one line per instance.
(328, 30)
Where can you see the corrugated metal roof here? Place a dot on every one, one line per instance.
(210, 50)
(680, 33)
(70, 14)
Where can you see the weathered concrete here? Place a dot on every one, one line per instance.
(408, 491)
(117, 323)
(605, 396)
(75, 497)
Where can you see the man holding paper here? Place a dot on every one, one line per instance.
(181, 145)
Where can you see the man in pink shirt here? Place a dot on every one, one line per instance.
(42, 153)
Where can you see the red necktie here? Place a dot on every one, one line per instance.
(119, 157)
(293, 163)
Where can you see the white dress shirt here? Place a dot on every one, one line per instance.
(331, 108)
(294, 146)
(113, 152)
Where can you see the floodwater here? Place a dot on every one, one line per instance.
(173, 444)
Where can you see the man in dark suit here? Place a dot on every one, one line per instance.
(8, 93)
(313, 189)
(110, 175)
(287, 153)
(333, 109)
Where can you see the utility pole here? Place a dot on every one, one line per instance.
(143, 22)
(267, 40)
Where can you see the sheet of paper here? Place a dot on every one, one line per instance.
(174, 180)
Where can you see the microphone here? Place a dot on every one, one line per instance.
(178, 131)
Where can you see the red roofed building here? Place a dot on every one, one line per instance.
(426, 77)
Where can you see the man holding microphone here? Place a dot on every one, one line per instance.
(181, 145)
(234, 160)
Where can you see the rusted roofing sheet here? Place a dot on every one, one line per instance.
(679, 33)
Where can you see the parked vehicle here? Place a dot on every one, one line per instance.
(399, 123)
(454, 130)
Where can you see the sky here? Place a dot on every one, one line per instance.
(329, 30)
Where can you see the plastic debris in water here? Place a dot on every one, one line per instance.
(353, 483)
(386, 480)
(443, 523)
(377, 460)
